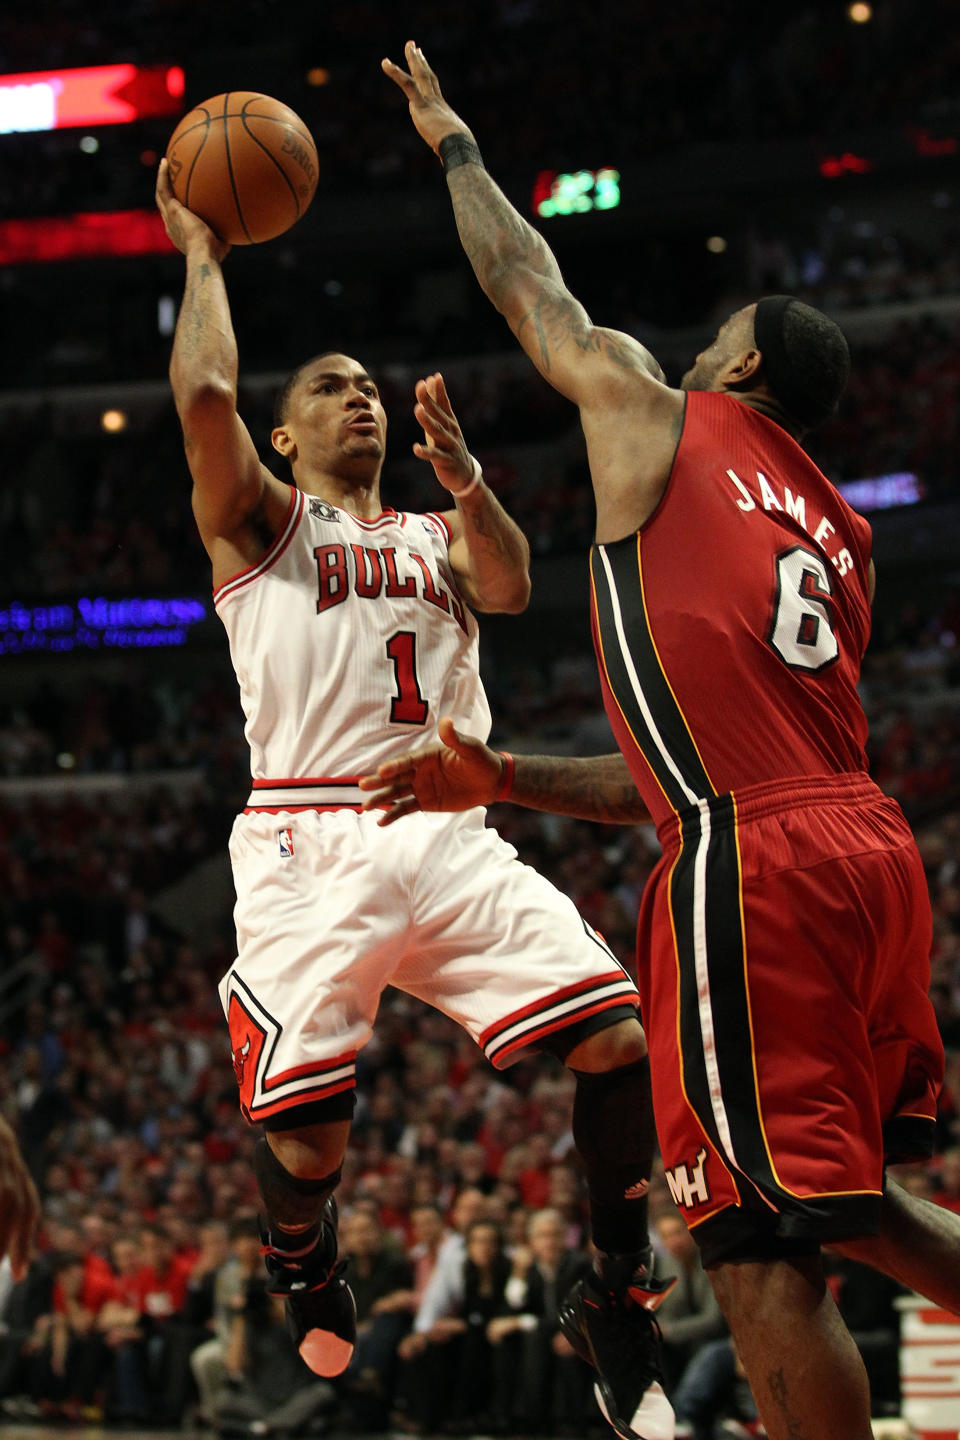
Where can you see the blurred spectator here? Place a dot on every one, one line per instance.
(444, 1291)
(447, 1375)
(714, 1387)
(381, 1278)
(689, 1315)
(64, 1360)
(541, 1387)
(208, 1360)
(270, 1390)
(119, 1323)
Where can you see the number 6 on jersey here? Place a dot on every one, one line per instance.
(802, 631)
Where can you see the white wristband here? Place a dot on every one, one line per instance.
(472, 483)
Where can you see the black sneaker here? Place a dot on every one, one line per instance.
(321, 1313)
(615, 1332)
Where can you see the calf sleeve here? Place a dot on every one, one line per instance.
(294, 1205)
(614, 1132)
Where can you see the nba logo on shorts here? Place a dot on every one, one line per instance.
(285, 837)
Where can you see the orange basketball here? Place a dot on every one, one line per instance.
(246, 164)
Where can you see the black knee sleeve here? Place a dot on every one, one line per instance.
(614, 1132)
(292, 1203)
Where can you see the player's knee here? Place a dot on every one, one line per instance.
(312, 1135)
(292, 1201)
(613, 1048)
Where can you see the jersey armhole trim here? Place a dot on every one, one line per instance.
(269, 557)
(673, 465)
(442, 522)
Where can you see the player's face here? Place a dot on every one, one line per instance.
(335, 412)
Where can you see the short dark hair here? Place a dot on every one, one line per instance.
(806, 359)
(289, 385)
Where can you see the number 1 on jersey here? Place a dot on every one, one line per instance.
(408, 706)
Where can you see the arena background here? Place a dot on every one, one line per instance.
(681, 160)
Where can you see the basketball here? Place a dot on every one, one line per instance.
(245, 163)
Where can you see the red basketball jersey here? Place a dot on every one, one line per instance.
(731, 626)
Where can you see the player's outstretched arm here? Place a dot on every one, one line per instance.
(514, 265)
(462, 772)
(227, 474)
(489, 554)
(19, 1204)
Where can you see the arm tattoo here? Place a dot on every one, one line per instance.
(495, 238)
(497, 242)
(203, 344)
(600, 788)
(194, 315)
(499, 554)
(558, 318)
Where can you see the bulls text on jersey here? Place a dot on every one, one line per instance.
(370, 571)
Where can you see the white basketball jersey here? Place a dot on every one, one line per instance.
(349, 641)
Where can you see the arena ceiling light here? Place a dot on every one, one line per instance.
(93, 95)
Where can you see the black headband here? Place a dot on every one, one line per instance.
(786, 385)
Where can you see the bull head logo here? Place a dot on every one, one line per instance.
(240, 1059)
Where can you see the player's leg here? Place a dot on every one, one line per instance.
(613, 1129)
(607, 1316)
(300, 1002)
(805, 1372)
(918, 1244)
(297, 1169)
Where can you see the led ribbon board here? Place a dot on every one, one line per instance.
(94, 95)
(133, 623)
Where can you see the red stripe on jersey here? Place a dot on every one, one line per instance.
(436, 515)
(270, 556)
(386, 517)
(295, 809)
(318, 1092)
(307, 780)
(311, 1067)
(595, 982)
(529, 1037)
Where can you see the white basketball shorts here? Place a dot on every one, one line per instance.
(331, 908)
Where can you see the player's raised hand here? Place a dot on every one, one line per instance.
(183, 227)
(458, 774)
(19, 1204)
(430, 113)
(443, 443)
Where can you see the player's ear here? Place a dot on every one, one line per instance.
(742, 369)
(283, 442)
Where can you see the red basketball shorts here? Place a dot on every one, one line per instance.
(783, 962)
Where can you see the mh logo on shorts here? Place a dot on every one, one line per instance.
(688, 1187)
(285, 836)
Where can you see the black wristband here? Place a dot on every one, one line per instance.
(459, 149)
